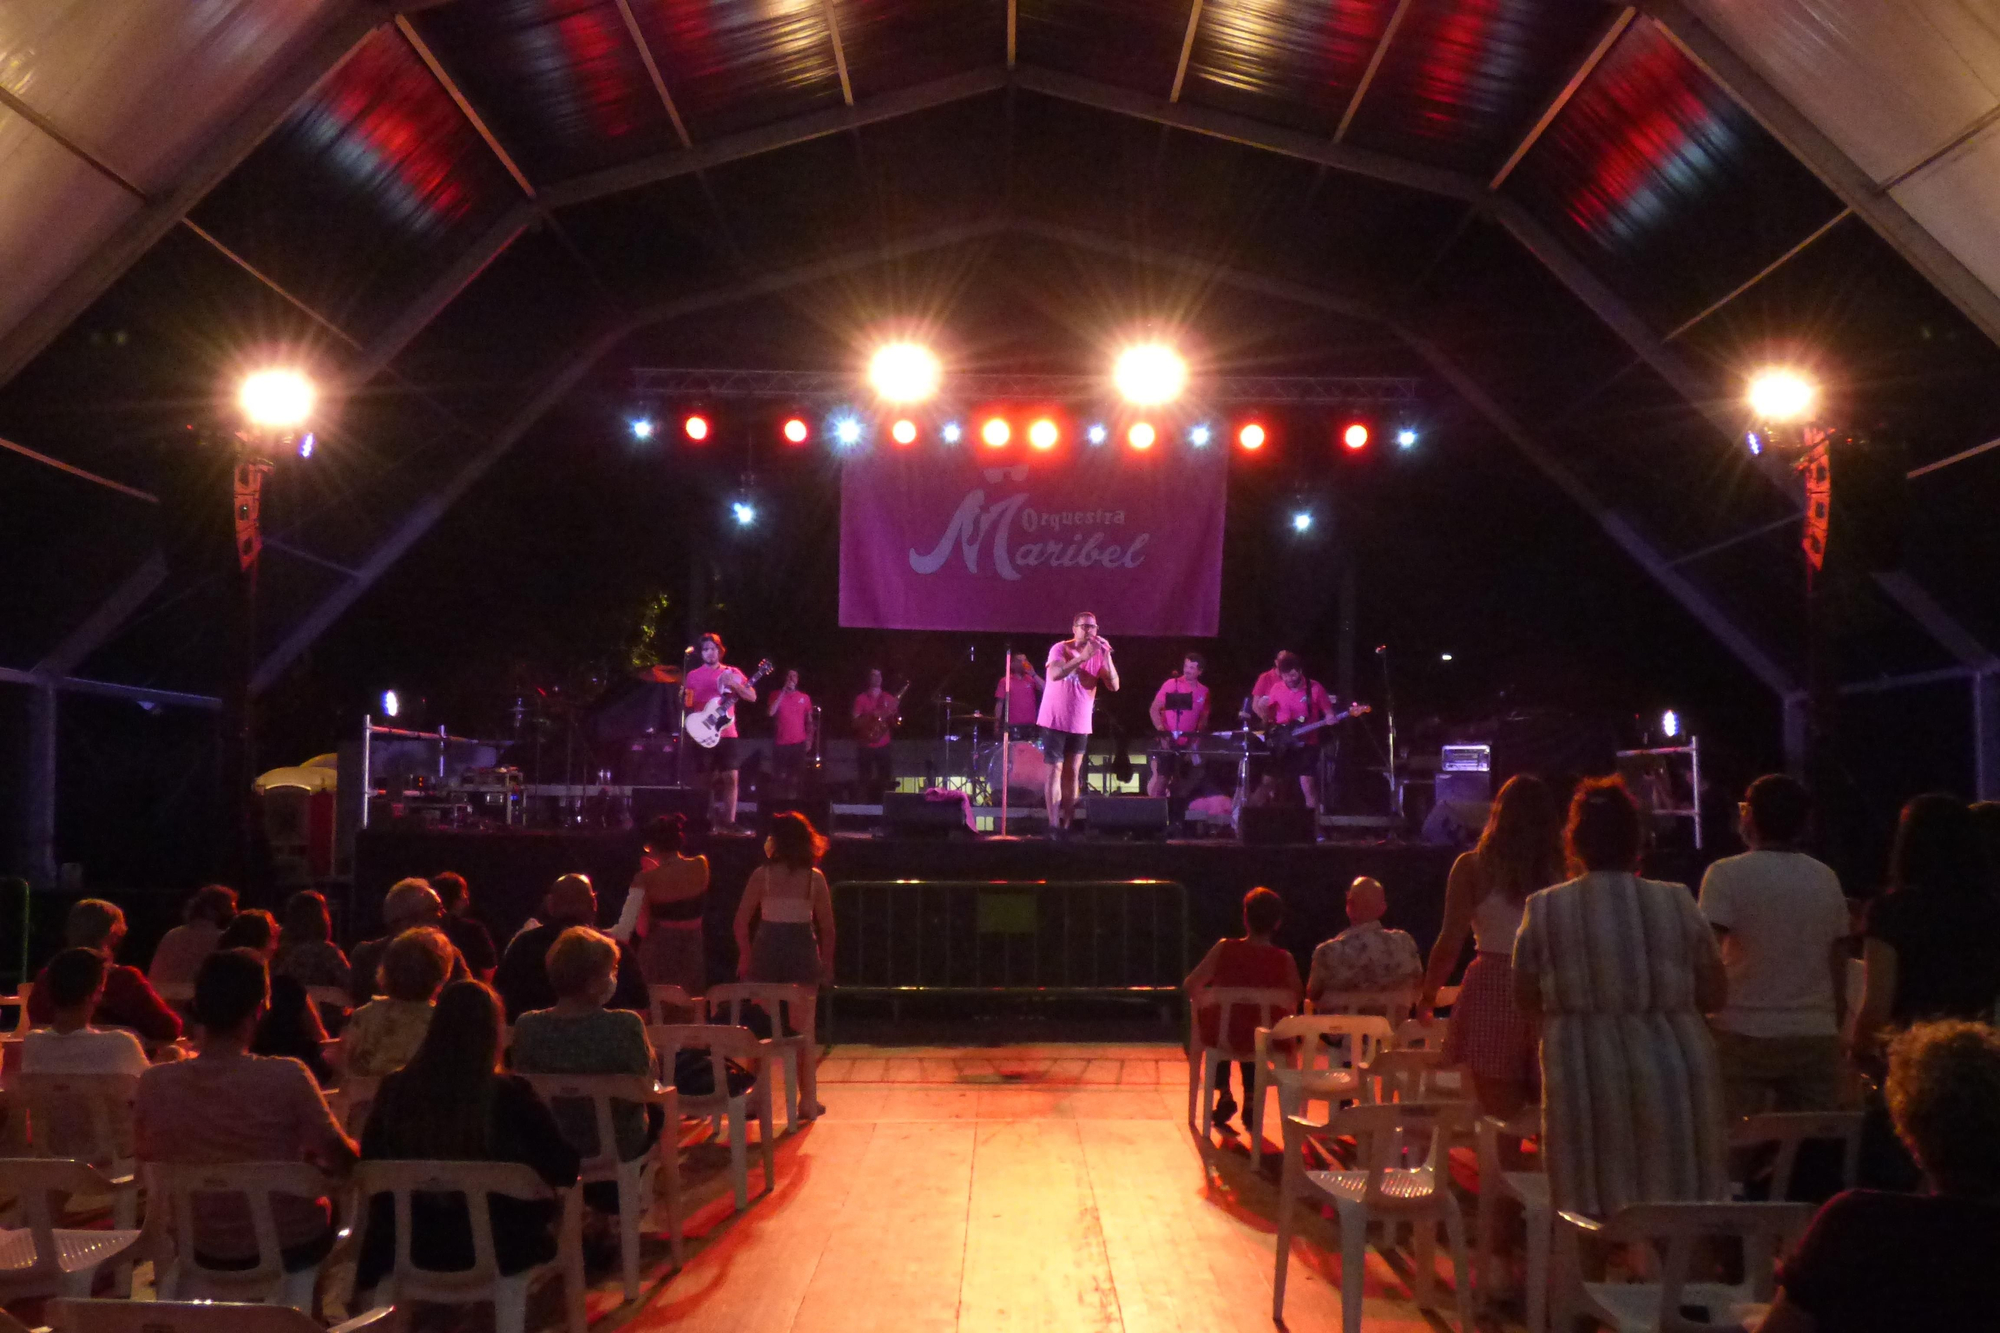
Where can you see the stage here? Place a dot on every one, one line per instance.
(510, 870)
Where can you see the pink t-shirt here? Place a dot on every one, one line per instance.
(1189, 719)
(1308, 703)
(704, 683)
(791, 719)
(883, 705)
(1025, 705)
(1067, 703)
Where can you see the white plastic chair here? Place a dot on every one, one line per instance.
(1407, 1074)
(1530, 1189)
(1664, 1306)
(671, 1004)
(799, 1051)
(1267, 1004)
(636, 1179)
(1413, 1034)
(72, 1316)
(1312, 1058)
(483, 1281)
(41, 1258)
(171, 1189)
(1788, 1130)
(1394, 1005)
(86, 1117)
(1391, 1186)
(352, 1101)
(726, 1043)
(179, 994)
(18, 1002)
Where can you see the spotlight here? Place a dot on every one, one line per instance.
(1199, 435)
(1406, 438)
(1251, 436)
(1780, 395)
(846, 430)
(904, 373)
(1444, 657)
(1043, 434)
(307, 442)
(1150, 374)
(743, 512)
(1355, 436)
(996, 432)
(391, 705)
(1756, 442)
(276, 399)
(796, 430)
(904, 431)
(1302, 521)
(1670, 724)
(1141, 435)
(1096, 434)
(642, 428)
(695, 427)
(951, 432)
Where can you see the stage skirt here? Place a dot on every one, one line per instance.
(785, 953)
(673, 956)
(1488, 1035)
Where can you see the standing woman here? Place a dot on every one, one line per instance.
(794, 941)
(1619, 971)
(673, 891)
(1520, 852)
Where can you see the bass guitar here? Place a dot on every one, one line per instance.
(1284, 738)
(707, 723)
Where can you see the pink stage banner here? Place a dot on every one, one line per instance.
(931, 539)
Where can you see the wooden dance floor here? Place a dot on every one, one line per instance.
(1023, 1188)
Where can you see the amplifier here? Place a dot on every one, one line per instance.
(1130, 816)
(1465, 773)
(1466, 759)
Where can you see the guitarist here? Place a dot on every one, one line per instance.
(707, 682)
(1290, 700)
(874, 713)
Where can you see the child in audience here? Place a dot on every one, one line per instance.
(1252, 961)
(383, 1034)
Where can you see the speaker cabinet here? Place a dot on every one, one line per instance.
(1126, 816)
(1264, 825)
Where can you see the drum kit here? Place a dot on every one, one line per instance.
(979, 761)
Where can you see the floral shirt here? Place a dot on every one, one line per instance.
(382, 1036)
(1366, 957)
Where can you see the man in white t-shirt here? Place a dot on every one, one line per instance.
(1783, 925)
(70, 1045)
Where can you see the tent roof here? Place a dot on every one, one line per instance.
(1583, 219)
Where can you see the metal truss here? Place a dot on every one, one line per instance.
(1393, 392)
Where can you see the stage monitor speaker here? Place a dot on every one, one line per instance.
(1455, 823)
(1460, 788)
(908, 814)
(1126, 816)
(652, 802)
(818, 809)
(1264, 825)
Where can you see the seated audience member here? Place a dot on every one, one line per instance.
(1876, 1260)
(292, 1026)
(580, 1036)
(254, 929)
(227, 1105)
(1366, 956)
(306, 951)
(410, 903)
(1783, 925)
(129, 999)
(180, 951)
(383, 1034)
(1252, 961)
(523, 978)
(465, 931)
(452, 1103)
(69, 1045)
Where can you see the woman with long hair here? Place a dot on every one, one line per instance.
(673, 888)
(793, 908)
(452, 1103)
(1520, 852)
(1619, 972)
(306, 951)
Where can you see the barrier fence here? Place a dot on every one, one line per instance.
(1099, 937)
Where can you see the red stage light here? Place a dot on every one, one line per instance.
(696, 427)
(1251, 436)
(996, 432)
(1043, 434)
(904, 431)
(1355, 436)
(796, 430)
(1141, 435)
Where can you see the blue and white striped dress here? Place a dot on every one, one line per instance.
(1632, 1097)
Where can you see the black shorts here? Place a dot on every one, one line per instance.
(1296, 761)
(1059, 745)
(721, 759)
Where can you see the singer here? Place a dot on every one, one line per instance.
(1076, 667)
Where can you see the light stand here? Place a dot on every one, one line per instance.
(1389, 711)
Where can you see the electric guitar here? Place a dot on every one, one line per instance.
(707, 723)
(872, 727)
(1284, 738)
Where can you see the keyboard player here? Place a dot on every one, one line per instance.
(1180, 715)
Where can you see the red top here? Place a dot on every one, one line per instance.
(1242, 963)
(129, 1002)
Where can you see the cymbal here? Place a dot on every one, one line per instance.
(974, 717)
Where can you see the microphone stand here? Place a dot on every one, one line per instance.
(1389, 708)
(1006, 730)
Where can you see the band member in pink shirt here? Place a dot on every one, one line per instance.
(1077, 666)
(792, 718)
(705, 683)
(1019, 696)
(1178, 726)
(874, 715)
(1293, 701)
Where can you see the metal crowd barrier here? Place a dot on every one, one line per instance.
(1109, 937)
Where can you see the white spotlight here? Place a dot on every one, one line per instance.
(1199, 435)
(642, 428)
(951, 432)
(846, 430)
(1670, 724)
(1781, 395)
(391, 705)
(1302, 521)
(277, 399)
(1444, 657)
(1096, 434)
(1406, 438)
(905, 373)
(1150, 374)
(744, 512)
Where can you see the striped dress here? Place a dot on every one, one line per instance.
(1632, 1098)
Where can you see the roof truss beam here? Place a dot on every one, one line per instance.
(1375, 59)
(1580, 76)
(645, 51)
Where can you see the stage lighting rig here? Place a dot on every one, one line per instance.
(996, 432)
(1782, 404)
(1141, 435)
(904, 432)
(696, 427)
(276, 400)
(796, 431)
(1355, 437)
(1251, 436)
(1043, 433)
(905, 372)
(1150, 374)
